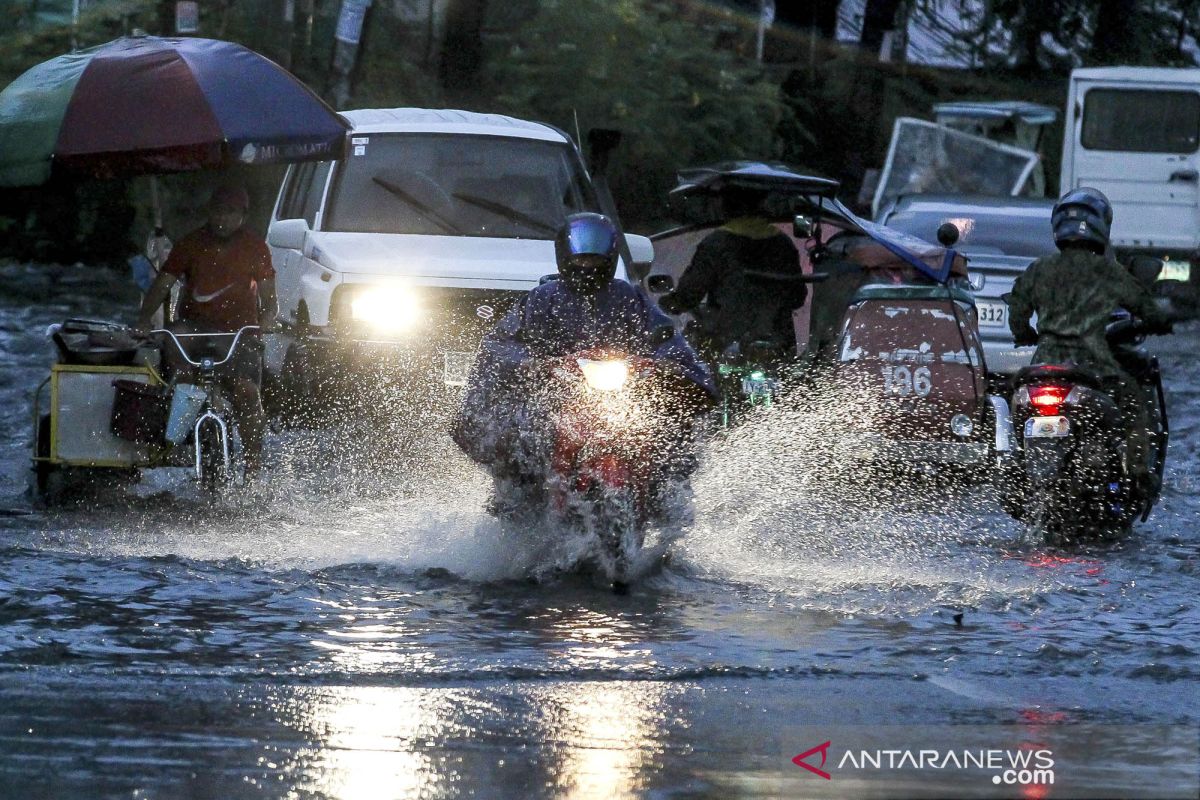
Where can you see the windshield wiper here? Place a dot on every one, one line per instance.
(424, 209)
(508, 213)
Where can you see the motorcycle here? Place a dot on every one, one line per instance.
(1070, 473)
(614, 423)
(748, 380)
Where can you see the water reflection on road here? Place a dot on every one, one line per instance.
(350, 632)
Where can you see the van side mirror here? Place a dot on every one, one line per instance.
(802, 227)
(287, 234)
(641, 254)
(660, 284)
(947, 234)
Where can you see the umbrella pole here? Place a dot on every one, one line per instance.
(155, 205)
(158, 247)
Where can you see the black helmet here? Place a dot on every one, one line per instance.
(586, 252)
(1083, 216)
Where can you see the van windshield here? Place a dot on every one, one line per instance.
(456, 185)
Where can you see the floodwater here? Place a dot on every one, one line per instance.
(358, 627)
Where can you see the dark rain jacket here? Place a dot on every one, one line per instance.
(1074, 294)
(551, 322)
(750, 272)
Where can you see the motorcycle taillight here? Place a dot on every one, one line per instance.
(1047, 398)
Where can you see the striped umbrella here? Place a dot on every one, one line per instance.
(149, 105)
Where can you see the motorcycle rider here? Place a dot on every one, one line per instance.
(586, 307)
(229, 283)
(750, 272)
(1074, 294)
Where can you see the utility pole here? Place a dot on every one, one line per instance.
(766, 16)
(347, 38)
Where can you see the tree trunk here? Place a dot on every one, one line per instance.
(1115, 39)
(1027, 37)
(462, 47)
(819, 14)
(878, 18)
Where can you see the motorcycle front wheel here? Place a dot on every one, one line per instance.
(615, 523)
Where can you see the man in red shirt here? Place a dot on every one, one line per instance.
(228, 283)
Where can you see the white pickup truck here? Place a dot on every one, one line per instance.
(419, 240)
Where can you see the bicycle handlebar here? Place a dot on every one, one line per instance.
(179, 345)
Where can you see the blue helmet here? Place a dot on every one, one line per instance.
(586, 252)
(1083, 216)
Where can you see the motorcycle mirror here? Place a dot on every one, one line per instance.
(947, 234)
(802, 227)
(660, 284)
(661, 335)
(1145, 270)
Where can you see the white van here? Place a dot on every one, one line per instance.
(420, 239)
(1134, 134)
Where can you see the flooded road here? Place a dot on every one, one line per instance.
(351, 631)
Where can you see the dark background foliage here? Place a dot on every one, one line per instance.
(680, 78)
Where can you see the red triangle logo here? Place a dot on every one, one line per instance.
(823, 749)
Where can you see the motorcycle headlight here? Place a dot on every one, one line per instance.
(604, 376)
(388, 309)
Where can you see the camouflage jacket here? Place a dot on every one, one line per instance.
(1074, 294)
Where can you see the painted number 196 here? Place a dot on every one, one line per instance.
(901, 381)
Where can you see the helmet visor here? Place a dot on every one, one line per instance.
(585, 237)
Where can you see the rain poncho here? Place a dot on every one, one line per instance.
(502, 399)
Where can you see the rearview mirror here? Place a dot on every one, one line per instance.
(1145, 270)
(287, 234)
(947, 234)
(802, 227)
(660, 284)
(641, 253)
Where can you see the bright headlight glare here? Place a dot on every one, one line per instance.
(386, 308)
(604, 376)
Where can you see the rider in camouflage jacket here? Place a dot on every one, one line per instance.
(1074, 294)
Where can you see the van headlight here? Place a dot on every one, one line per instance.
(387, 309)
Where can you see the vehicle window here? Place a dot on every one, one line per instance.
(293, 200)
(1013, 231)
(454, 185)
(312, 198)
(1141, 121)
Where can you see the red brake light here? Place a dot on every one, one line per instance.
(1047, 398)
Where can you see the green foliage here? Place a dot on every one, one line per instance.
(633, 65)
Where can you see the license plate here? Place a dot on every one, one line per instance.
(457, 367)
(1047, 427)
(992, 314)
(1176, 271)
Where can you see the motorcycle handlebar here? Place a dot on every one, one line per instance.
(237, 336)
(1131, 329)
